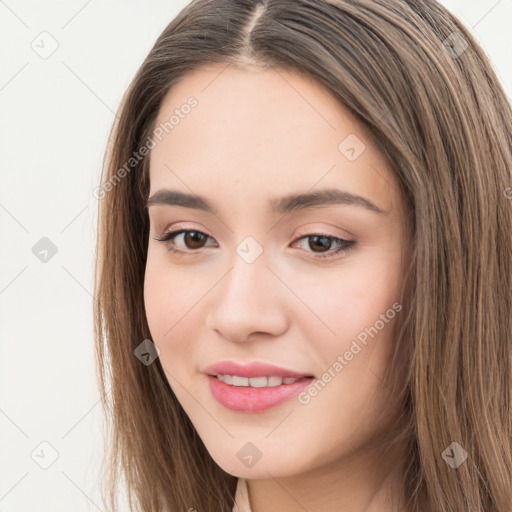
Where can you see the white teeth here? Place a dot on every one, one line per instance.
(255, 382)
(275, 381)
(258, 382)
(240, 381)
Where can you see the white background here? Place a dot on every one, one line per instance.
(56, 114)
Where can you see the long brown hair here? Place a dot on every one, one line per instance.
(427, 93)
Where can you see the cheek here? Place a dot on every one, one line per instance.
(169, 324)
(166, 299)
(355, 298)
(157, 300)
(358, 314)
(361, 308)
(174, 297)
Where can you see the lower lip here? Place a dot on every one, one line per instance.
(248, 399)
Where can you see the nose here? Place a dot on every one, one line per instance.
(249, 301)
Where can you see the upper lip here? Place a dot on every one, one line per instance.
(251, 369)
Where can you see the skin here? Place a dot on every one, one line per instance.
(256, 135)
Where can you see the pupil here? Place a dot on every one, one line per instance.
(195, 236)
(316, 238)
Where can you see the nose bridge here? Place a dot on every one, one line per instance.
(246, 284)
(248, 274)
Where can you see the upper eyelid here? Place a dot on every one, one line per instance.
(310, 231)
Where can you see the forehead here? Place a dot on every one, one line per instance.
(262, 131)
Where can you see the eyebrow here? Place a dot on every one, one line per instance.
(281, 205)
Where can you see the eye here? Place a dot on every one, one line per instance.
(325, 241)
(192, 237)
(194, 241)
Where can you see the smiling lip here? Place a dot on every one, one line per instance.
(253, 399)
(254, 369)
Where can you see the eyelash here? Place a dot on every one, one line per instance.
(345, 245)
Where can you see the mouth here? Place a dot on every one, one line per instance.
(255, 394)
(258, 382)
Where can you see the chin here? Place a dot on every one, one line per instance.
(246, 461)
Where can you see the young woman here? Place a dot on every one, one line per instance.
(304, 264)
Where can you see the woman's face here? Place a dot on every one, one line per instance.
(309, 285)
